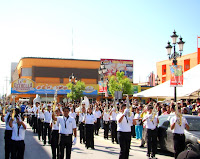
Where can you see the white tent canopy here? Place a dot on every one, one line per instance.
(190, 88)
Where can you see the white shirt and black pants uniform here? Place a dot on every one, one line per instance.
(151, 126)
(124, 135)
(40, 125)
(113, 127)
(7, 137)
(47, 119)
(178, 135)
(97, 115)
(66, 126)
(89, 130)
(106, 124)
(18, 145)
(34, 118)
(54, 140)
(82, 127)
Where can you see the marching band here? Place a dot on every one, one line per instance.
(57, 123)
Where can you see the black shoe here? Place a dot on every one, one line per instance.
(80, 142)
(113, 142)
(141, 146)
(93, 148)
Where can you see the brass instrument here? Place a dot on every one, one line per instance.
(154, 112)
(128, 105)
(178, 115)
(13, 113)
(80, 107)
(115, 105)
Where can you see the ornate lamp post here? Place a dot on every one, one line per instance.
(173, 56)
(102, 71)
(73, 80)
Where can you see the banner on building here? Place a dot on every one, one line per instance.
(176, 76)
(114, 65)
(102, 87)
(23, 86)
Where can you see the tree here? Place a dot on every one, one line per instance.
(76, 90)
(120, 83)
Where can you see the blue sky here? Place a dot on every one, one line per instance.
(128, 29)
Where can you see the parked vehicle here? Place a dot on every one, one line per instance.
(165, 135)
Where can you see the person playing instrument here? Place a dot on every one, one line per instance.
(151, 125)
(113, 116)
(124, 132)
(97, 114)
(82, 124)
(106, 116)
(178, 125)
(67, 126)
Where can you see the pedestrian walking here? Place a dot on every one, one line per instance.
(97, 114)
(113, 120)
(82, 124)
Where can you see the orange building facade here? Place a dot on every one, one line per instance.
(49, 74)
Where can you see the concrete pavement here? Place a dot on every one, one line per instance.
(104, 149)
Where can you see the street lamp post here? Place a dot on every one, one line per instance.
(73, 80)
(102, 71)
(175, 54)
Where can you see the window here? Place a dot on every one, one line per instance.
(163, 79)
(186, 65)
(164, 70)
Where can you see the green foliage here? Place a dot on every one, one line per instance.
(76, 90)
(120, 83)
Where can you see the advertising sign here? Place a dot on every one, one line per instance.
(102, 87)
(42, 88)
(23, 85)
(114, 65)
(176, 75)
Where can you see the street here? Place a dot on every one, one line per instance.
(104, 149)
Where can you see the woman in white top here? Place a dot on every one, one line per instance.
(138, 126)
(89, 127)
(106, 119)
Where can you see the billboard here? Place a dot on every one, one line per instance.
(176, 75)
(23, 86)
(114, 65)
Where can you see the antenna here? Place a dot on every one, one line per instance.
(72, 44)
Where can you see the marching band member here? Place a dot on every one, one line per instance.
(106, 116)
(151, 125)
(40, 118)
(35, 111)
(124, 132)
(97, 114)
(89, 128)
(55, 136)
(8, 134)
(67, 126)
(138, 126)
(178, 126)
(113, 115)
(47, 119)
(81, 124)
(18, 135)
(72, 113)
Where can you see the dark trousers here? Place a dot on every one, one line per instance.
(35, 124)
(97, 126)
(106, 129)
(47, 128)
(82, 132)
(179, 144)
(65, 142)
(18, 148)
(133, 131)
(89, 130)
(22, 115)
(124, 139)
(114, 131)
(54, 144)
(31, 121)
(8, 143)
(151, 142)
(40, 129)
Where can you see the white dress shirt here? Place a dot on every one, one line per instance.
(178, 129)
(40, 114)
(106, 116)
(35, 110)
(97, 114)
(7, 121)
(47, 116)
(137, 116)
(15, 135)
(125, 124)
(150, 124)
(81, 117)
(54, 124)
(66, 126)
(89, 119)
(73, 115)
(113, 116)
